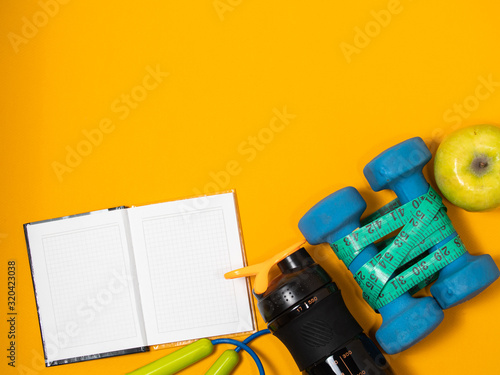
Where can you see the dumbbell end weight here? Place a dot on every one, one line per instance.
(335, 216)
(407, 321)
(464, 279)
(399, 168)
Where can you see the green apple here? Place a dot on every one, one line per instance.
(467, 167)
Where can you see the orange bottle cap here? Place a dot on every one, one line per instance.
(261, 270)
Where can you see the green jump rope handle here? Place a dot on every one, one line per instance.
(225, 363)
(178, 360)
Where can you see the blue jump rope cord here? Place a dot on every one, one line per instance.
(253, 337)
(243, 345)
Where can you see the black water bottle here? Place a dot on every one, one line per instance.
(304, 309)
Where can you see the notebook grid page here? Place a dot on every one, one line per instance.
(187, 257)
(88, 286)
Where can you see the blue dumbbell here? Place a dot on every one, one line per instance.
(400, 169)
(406, 320)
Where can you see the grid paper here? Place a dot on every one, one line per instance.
(187, 257)
(86, 270)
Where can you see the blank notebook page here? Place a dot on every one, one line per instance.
(182, 249)
(84, 285)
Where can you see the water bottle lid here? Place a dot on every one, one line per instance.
(295, 261)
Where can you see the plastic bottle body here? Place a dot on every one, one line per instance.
(358, 356)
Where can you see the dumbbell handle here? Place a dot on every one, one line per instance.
(410, 187)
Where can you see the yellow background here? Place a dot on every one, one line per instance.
(232, 64)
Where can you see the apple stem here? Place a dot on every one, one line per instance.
(480, 165)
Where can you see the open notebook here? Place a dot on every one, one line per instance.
(116, 281)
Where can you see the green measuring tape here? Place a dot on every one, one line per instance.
(401, 265)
